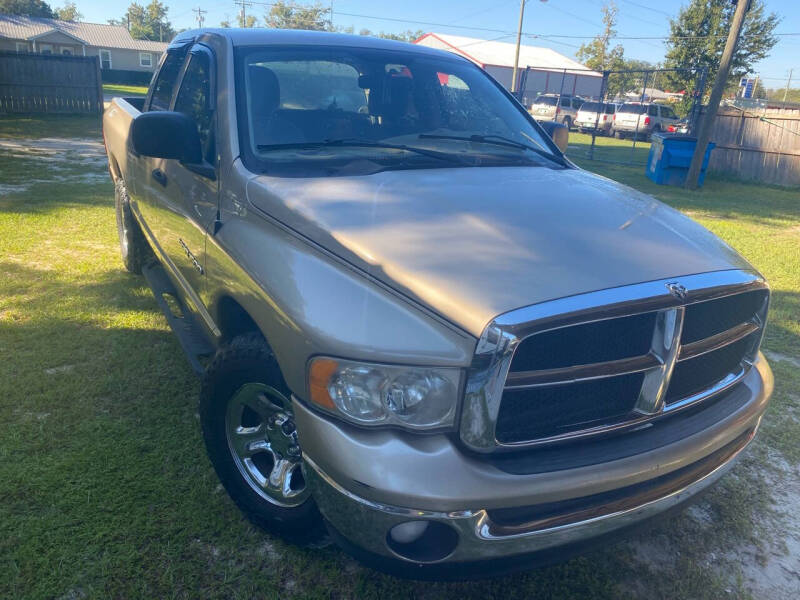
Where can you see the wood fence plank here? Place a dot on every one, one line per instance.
(49, 83)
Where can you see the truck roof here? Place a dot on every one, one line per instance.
(264, 37)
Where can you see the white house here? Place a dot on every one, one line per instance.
(117, 50)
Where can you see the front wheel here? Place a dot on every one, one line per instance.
(618, 135)
(251, 439)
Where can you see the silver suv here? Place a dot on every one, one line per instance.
(559, 108)
(643, 119)
(596, 115)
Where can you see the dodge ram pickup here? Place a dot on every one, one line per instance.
(422, 331)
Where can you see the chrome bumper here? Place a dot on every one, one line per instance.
(379, 473)
(366, 523)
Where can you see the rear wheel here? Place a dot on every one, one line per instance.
(567, 123)
(250, 437)
(132, 245)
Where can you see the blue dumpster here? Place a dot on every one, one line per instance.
(670, 157)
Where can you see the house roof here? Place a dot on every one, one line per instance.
(91, 34)
(501, 54)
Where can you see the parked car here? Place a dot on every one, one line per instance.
(597, 116)
(552, 107)
(681, 127)
(643, 119)
(421, 330)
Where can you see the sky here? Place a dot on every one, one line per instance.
(497, 19)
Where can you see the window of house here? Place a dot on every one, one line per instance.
(145, 59)
(45, 48)
(22, 46)
(66, 51)
(105, 59)
(194, 99)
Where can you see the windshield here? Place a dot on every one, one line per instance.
(597, 107)
(633, 109)
(343, 106)
(546, 101)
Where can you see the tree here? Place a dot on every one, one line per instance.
(697, 39)
(68, 12)
(26, 8)
(403, 36)
(147, 22)
(288, 15)
(248, 21)
(598, 54)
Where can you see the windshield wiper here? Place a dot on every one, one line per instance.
(357, 143)
(498, 140)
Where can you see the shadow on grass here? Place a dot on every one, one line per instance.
(42, 126)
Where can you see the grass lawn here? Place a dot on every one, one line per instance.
(105, 489)
(118, 89)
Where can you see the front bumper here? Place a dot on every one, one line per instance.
(366, 490)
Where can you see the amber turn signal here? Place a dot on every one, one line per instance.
(322, 369)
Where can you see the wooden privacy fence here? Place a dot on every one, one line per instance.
(49, 83)
(761, 145)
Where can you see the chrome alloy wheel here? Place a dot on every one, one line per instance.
(262, 440)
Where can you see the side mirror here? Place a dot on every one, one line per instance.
(166, 134)
(558, 132)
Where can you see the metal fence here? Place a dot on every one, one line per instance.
(44, 83)
(570, 88)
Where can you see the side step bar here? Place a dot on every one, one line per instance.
(190, 336)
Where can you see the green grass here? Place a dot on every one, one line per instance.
(105, 489)
(119, 89)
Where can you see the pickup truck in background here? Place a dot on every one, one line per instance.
(421, 330)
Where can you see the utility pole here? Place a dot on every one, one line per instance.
(786, 91)
(519, 39)
(704, 134)
(200, 17)
(243, 12)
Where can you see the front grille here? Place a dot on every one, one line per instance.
(560, 409)
(598, 341)
(589, 377)
(693, 375)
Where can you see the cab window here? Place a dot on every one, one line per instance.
(165, 83)
(194, 99)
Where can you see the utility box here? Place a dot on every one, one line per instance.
(670, 157)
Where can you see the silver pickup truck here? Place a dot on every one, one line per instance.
(422, 331)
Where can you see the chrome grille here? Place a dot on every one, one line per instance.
(614, 365)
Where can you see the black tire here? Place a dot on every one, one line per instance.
(132, 245)
(567, 122)
(247, 359)
(618, 135)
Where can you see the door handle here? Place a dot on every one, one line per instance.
(160, 177)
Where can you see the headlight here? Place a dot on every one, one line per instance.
(374, 394)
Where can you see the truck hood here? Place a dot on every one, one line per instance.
(472, 243)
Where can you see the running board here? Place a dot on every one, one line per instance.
(190, 336)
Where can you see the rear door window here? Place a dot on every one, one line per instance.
(653, 110)
(165, 83)
(194, 99)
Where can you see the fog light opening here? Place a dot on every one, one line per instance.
(422, 541)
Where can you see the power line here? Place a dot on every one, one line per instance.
(200, 18)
